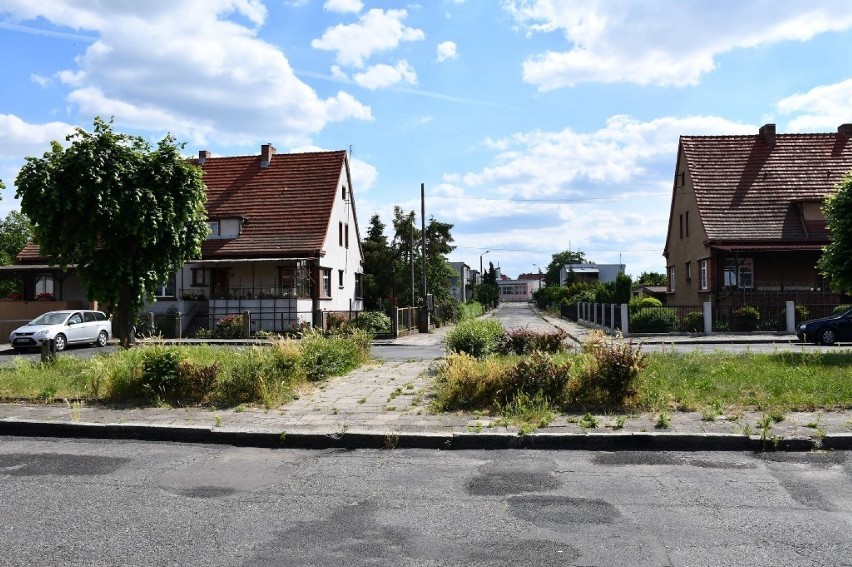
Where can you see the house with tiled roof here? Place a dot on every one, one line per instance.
(283, 245)
(746, 220)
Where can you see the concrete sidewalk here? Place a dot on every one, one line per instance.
(386, 404)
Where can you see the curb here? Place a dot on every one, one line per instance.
(663, 441)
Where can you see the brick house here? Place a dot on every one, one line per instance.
(284, 245)
(746, 223)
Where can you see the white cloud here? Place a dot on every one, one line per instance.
(446, 50)
(562, 163)
(383, 76)
(343, 6)
(605, 192)
(376, 31)
(40, 80)
(820, 109)
(195, 68)
(658, 42)
(19, 139)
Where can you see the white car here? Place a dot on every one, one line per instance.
(64, 328)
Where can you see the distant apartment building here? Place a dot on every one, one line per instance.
(592, 273)
(462, 282)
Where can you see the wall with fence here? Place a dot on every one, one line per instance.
(690, 319)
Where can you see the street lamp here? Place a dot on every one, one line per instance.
(480, 263)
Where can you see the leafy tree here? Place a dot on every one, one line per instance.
(124, 213)
(378, 266)
(15, 232)
(651, 278)
(836, 260)
(488, 293)
(551, 274)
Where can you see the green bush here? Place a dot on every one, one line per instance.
(745, 318)
(537, 374)
(476, 337)
(638, 303)
(160, 376)
(229, 327)
(374, 322)
(334, 355)
(653, 320)
(525, 341)
(612, 379)
(693, 322)
(470, 310)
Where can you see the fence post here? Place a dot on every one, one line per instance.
(612, 317)
(603, 314)
(595, 313)
(708, 318)
(179, 325)
(790, 311)
(624, 328)
(578, 311)
(151, 321)
(246, 324)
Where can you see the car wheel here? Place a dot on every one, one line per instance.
(827, 337)
(102, 339)
(60, 342)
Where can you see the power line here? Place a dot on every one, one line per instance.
(577, 200)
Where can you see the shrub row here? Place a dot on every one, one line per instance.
(482, 337)
(183, 375)
(605, 375)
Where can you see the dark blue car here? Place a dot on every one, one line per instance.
(828, 330)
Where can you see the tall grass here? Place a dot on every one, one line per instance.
(189, 375)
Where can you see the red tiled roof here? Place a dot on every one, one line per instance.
(286, 205)
(747, 191)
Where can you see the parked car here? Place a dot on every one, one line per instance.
(827, 330)
(64, 328)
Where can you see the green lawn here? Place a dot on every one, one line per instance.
(784, 381)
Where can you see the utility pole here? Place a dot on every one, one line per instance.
(424, 313)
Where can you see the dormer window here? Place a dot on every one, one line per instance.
(225, 228)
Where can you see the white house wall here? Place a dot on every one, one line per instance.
(340, 257)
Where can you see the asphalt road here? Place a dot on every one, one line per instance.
(133, 503)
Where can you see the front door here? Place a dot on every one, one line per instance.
(220, 284)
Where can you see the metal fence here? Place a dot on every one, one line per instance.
(690, 318)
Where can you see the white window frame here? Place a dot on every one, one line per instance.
(671, 278)
(703, 272)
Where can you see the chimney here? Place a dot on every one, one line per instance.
(767, 132)
(845, 130)
(266, 153)
(202, 156)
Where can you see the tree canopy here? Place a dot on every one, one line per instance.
(836, 260)
(124, 213)
(551, 274)
(651, 278)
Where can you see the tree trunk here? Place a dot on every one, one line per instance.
(123, 318)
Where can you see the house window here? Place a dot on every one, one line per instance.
(340, 233)
(703, 280)
(346, 234)
(671, 278)
(359, 284)
(686, 223)
(294, 282)
(340, 279)
(44, 285)
(167, 287)
(688, 270)
(739, 273)
(343, 191)
(199, 277)
(214, 228)
(326, 282)
(681, 226)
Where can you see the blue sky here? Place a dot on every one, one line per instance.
(536, 125)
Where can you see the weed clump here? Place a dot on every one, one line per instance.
(476, 337)
(612, 378)
(525, 341)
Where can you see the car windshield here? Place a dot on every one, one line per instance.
(50, 319)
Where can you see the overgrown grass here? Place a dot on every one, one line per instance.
(781, 382)
(612, 376)
(189, 375)
(470, 310)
